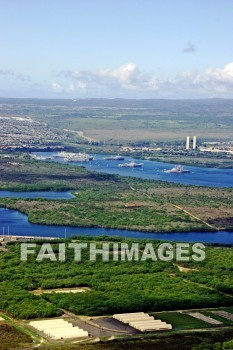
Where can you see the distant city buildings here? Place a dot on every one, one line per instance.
(19, 132)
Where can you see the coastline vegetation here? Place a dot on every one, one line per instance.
(210, 160)
(110, 201)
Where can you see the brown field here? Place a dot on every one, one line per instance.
(133, 135)
(11, 338)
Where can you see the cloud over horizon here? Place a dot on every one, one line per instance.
(126, 81)
(129, 81)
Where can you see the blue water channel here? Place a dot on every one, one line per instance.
(15, 223)
(198, 176)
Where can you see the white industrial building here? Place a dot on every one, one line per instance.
(142, 322)
(59, 329)
(188, 141)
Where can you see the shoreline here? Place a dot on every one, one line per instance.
(138, 156)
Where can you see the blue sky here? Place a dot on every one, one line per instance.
(116, 48)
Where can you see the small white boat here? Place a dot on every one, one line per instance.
(131, 165)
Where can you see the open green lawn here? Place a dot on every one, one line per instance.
(181, 320)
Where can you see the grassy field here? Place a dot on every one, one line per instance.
(180, 320)
(133, 125)
(131, 120)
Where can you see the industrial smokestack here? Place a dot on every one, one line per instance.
(187, 142)
(194, 142)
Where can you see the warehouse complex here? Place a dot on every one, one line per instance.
(59, 329)
(142, 322)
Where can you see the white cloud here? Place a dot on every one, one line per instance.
(129, 81)
(126, 77)
(229, 69)
(56, 87)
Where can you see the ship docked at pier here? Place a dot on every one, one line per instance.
(74, 157)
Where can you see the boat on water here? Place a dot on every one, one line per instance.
(74, 157)
(178, 169)
(114, 158)
(42, 157)
(131, 165)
